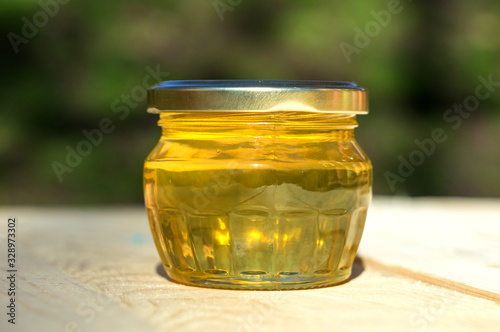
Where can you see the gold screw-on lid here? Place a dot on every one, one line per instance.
(257, 96)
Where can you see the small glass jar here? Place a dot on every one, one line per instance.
(257, 184)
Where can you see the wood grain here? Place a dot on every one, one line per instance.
(453, 239)
(96, 269)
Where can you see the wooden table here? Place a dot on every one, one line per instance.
(424, 265)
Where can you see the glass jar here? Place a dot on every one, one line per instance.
(257, 184)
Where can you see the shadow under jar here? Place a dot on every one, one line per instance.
(257, 184)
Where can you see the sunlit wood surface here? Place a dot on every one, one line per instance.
(424, 265)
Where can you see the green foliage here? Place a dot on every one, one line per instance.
(66, 78)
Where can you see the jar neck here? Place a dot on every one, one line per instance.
(286, 124)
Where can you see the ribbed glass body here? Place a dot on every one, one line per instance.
(269, 200)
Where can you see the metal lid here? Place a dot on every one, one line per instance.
(257, 96)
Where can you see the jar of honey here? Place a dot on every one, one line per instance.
(257, 184)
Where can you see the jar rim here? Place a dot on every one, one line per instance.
(257, 96)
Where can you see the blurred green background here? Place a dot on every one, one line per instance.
(78, 58)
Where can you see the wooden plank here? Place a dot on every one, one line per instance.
(72, 256)
(454, 239)
(49, 299)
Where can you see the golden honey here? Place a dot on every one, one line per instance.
(256, 199)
